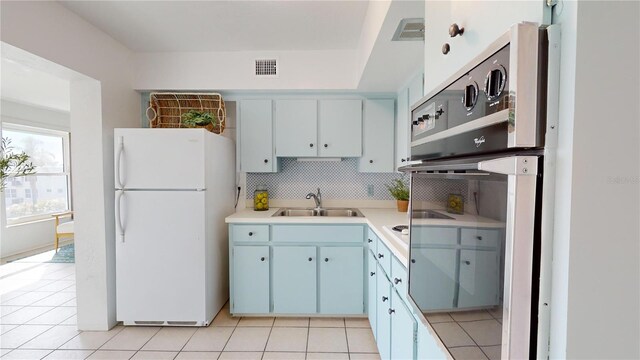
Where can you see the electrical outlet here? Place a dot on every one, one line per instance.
(370, 190)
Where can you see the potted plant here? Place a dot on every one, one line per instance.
(13, 164)
(195, 118)
(400, 191)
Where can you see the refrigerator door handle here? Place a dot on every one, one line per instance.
(118, 160)
(119, 195)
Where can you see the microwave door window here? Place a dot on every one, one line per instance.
(457, 257)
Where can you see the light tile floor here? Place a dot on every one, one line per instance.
(38, 321)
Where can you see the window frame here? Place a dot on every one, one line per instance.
(66, 166)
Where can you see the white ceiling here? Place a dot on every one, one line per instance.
(172, 26)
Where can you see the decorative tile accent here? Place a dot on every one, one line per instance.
(336, 180)
(341, 180)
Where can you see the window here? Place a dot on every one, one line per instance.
(30, 197)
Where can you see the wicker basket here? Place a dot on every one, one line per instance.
(166, 109)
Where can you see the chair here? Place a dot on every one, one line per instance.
(64, 229)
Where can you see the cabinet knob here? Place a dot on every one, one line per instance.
(413, 261)
(391, 311)
(397, 280)
(250, 233)
(326, 259)
(369, 241)
(455, 30)
(479, 237)
(370, 161)
(372, 273)
(310, 259)
(446, 48)
(326, 145)
(403, 160)
(467, 262)
(310, 145)
(262, 258)
(384, 298)
(439, 112)
(266, 161)
(380, 256)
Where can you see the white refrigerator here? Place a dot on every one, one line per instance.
(174, 187)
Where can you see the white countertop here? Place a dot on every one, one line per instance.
(377, 219)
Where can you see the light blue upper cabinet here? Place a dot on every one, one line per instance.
(250, 279)
(256, 136)
(341, 280)
(296, 128)
(340, 128)
(478, 32)
(378, 134)
(403, 328)
(294, 279)
(403, 128)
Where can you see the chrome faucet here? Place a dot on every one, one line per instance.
(317, 198)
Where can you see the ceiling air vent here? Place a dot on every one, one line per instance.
(266, 67)
(409, 30)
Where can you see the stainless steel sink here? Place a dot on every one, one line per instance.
(333, 212)
(429, 214)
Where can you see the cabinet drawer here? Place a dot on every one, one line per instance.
(245, 233)
(480, 237)
(399, 277)
(372, 241)
(318, 233)
(430, 235)
(383, 254)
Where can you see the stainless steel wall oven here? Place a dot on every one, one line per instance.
(475, 277)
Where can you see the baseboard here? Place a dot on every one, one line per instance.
(31, 252)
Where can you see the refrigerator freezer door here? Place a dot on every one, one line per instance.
(159, 158)
(160, 264)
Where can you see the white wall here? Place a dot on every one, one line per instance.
(317, 70)
(22, 238)
(50, 31)
(596, 272)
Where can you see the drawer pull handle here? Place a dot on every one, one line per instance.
(455, 30)
(372, 273)
(446, 48)
(384, 298)
(250, 233)
(262, 258)
(326, 259)
(397, 280)
(380, 256)
(391, 311)
(310, 259)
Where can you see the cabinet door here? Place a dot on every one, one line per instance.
(378, 136)
(340, 128)
(293, 279)
(478, 32)
(250, 280)
(428, 346)
(478, 278)
(437, 267)
(372, 272)
(341, 280)
(403, 328)
(296, 128)
(256, 136)
(383, 318)
(402, 128)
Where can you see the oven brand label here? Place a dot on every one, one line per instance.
(479, 141)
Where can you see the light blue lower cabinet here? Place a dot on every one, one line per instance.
(383, 318)
(341, 280)
(250, 279)
(294, 279)
(403, 329)
(371, 290)
(427, 347)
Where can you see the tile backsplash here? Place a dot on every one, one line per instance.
(337, 180)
